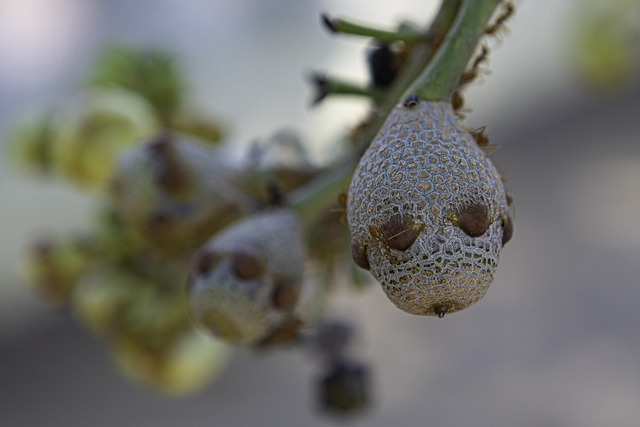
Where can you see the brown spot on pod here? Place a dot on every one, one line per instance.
(247, 265)
(400, 231)
(472, 218)
(359, 254)
(205, 260)
(285, 295)
(507, 229)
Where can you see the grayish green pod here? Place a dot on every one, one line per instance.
(427, 211)
(246, 280)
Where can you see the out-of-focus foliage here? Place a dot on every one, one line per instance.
(605, 43)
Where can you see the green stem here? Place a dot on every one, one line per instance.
(347, 27)
(442, 76)
(326, 86)
(314, 198)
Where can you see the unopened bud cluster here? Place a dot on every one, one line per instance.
(188, 237)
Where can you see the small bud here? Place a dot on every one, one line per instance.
(383, 65)
(344, 390)
(171, 190)
(91, 134)
(180, 367)
(54, 267)
(507, 229)
(254, 286)
(441, 309)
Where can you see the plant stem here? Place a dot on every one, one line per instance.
(442, 76)
(326, 86)
(344, 26)
(420, 57)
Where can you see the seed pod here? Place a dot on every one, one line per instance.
(172, 190)
(246, 280)
(426, 210)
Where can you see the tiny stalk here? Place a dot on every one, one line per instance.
(325, 86)
(403, 34)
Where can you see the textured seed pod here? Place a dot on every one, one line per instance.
(426, 210)
(246, 280)
(168, 189)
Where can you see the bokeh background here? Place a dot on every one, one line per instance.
(556, 342)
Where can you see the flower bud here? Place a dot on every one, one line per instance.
(170, 190)
(247, 279)
(345, 388)
(183, 366)
(54, 267)
(427, 211)
(90, 135)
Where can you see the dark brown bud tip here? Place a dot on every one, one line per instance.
(247, 265)
(359, 254)
(473, 219)
(321, 87)
(412, 101)
(328, 22)
(441, 309)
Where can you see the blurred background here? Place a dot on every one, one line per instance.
(556, 341)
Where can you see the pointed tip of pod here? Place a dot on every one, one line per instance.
(441, 309)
